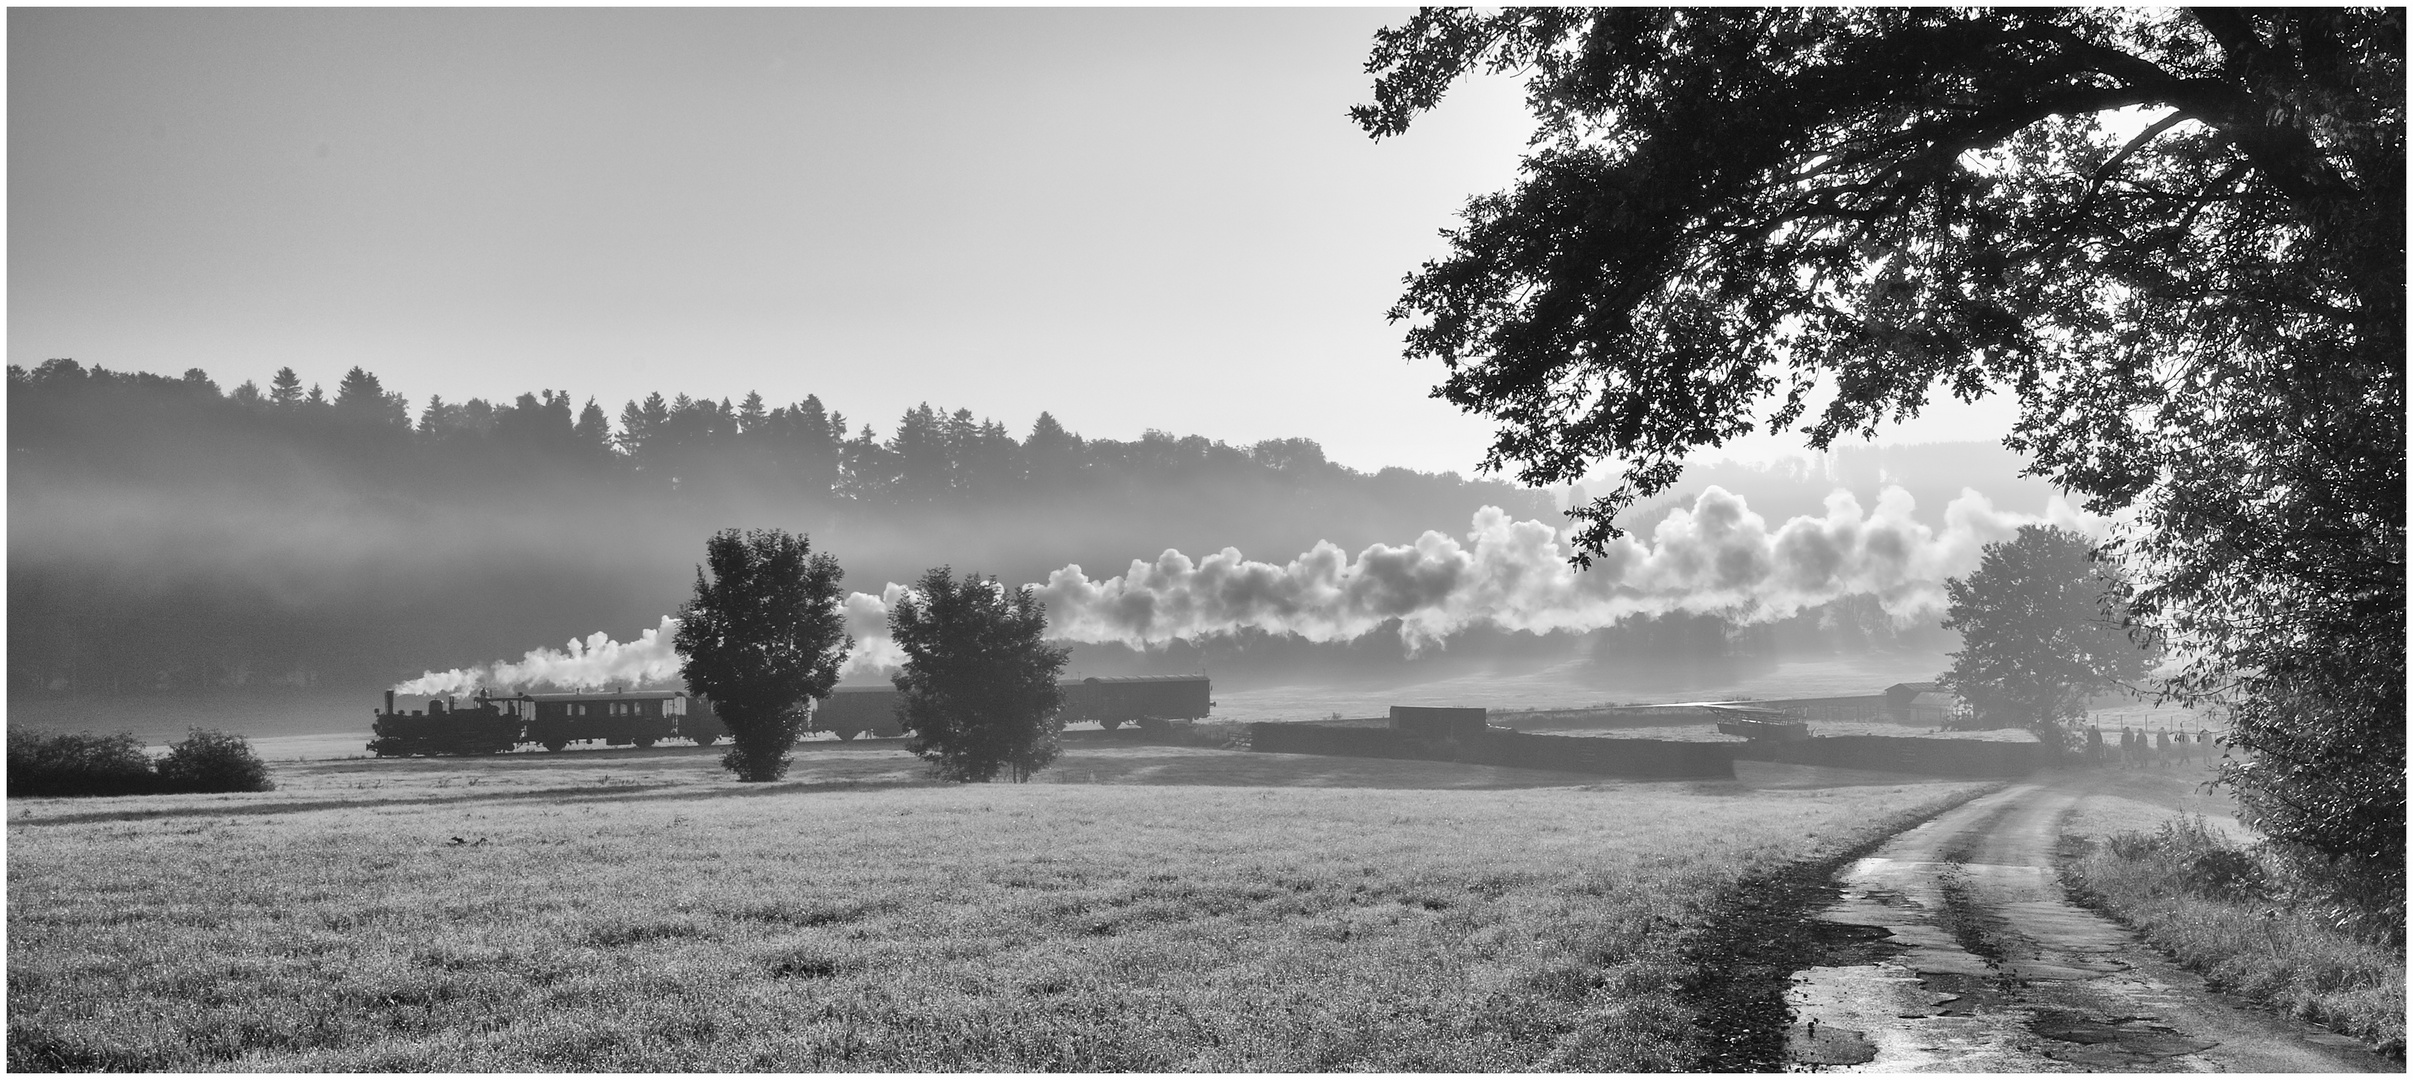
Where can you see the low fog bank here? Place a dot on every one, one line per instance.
(257, 624)
(188, 559)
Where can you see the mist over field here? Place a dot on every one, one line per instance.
(180, 556)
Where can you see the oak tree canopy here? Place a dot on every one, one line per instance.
(2176, 237)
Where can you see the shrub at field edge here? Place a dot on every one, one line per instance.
(47, 763)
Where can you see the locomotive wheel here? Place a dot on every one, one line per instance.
(705, 740)
(557, 744)
(644, 741)
(1110, 725)
(847, 734)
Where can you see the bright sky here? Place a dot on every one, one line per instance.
(1133, 218)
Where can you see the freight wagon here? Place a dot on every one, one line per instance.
(1145, 700)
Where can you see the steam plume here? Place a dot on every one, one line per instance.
(1716, 557)
(867, 622)
(581, 665)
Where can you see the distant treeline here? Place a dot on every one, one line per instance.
(169, 535)
(66, 416)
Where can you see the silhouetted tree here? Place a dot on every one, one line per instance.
(361, 399)
(2202, 319)
(979, 682)
(924, 471)
(285, 388)
(2043, 629)
(801, 446)
(640, 426)
(866, 469)
(761, 638)
(1052, 454)
(434, 417)
(594, 432)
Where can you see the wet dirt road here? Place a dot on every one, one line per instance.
(1953, 950)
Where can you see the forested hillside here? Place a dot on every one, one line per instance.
(169, 537)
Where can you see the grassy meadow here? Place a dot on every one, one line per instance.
(1143, 908)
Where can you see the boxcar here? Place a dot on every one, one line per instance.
(1145, 700)
(849, 711)
(1139, 699)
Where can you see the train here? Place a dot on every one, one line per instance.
(495, 724)
(1142, 700)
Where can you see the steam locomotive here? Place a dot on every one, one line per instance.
(492, 724)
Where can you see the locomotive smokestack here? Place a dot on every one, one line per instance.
(389, 703)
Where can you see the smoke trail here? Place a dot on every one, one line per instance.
(595, 662)
(652, 658)
(1717, 557)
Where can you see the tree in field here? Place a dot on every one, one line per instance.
(762, 637)
(979, 683)
(2176, 237)
(2042, 630)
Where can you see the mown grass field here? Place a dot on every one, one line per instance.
(1147, 908)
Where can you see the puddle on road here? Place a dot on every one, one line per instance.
(1810, 1044)
(2112, 1042)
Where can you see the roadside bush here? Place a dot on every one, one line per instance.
(213, 761)
(58, 763)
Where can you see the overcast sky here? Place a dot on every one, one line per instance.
(1133, 218)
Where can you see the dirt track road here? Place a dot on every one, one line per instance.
(1955, 951)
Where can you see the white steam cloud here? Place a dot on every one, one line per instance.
(595, 662)
(1716, 557)
(867, 622)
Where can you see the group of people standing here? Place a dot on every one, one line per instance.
(2139, 748)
